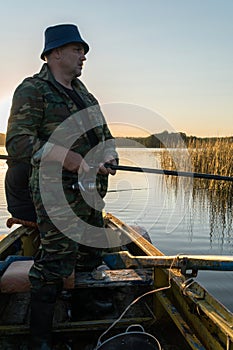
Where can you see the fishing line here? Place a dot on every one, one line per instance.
(139, 298)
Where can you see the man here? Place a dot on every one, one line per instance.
(58, 124)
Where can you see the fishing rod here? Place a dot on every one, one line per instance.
(128, 189)
(3, 156)
(168, 172)
(158, 171)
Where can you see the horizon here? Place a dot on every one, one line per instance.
(159, 133)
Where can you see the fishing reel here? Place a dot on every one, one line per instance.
(87, 181)
(89, 188)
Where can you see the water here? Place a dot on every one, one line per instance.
(177, 221)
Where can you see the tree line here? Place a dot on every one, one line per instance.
(167, 139)
(164, 139)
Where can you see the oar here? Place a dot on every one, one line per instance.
(168, 172)
(124, 260)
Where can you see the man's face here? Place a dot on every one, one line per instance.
(71, 59)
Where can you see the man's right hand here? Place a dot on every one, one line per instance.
(75, 163)
(72, 161)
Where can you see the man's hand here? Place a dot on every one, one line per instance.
(72, 161)
(75, 163)
(105, 171)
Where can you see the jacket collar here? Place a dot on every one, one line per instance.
(46, 74)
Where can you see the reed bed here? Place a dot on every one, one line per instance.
(203, 157)
(210, 157)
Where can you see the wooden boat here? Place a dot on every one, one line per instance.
(166, 301)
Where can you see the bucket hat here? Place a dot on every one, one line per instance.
(62, 34)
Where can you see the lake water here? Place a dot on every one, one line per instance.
(178, 221)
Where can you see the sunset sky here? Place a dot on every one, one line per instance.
(171, 60)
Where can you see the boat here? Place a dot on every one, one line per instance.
(139, 298)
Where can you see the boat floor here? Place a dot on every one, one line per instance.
(79, 322)
(82, 329)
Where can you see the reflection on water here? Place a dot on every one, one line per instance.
(212, 196)
(195, 219)
(181, 218)
(220, 214)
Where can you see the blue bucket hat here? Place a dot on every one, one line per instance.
(60, 35)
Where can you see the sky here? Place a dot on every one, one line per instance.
(152, 64)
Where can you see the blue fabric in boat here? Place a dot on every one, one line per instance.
(11, 258)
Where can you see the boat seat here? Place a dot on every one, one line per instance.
(114, 278)
(15, 278)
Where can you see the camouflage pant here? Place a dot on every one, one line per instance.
(60, 255)
(68, 241)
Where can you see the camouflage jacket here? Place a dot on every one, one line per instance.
(40, 106)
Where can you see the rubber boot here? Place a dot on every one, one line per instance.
(41, 320)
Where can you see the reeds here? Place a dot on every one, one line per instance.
(212, 156)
